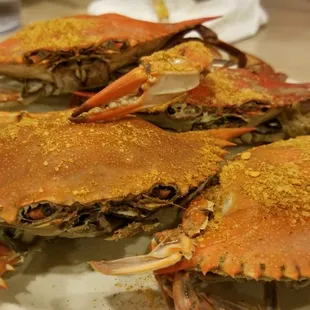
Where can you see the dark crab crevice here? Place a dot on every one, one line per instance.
(271, 124)
(160, 206)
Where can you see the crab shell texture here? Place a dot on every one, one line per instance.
(237, 97)
(71, 170)
(261, 225)
(8, 258)
(77, 52)
(83, 34)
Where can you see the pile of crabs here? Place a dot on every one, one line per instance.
(154, 112)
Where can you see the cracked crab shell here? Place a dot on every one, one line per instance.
(76, 166)
(262, 229)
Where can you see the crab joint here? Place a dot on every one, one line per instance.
(161, 257)
(159, 79)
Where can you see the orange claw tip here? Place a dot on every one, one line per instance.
(229, 133)
(84, 94)
(106, 115)
(123, 86)
(3, 285)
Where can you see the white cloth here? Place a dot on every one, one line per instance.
(241, 18)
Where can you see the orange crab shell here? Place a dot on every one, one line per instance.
(104, 34)
(51, 159)
(234, 87)
(226, 88)
(265, 226)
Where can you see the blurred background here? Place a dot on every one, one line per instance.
(284, 42)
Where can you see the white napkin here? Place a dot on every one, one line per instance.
(241, 18)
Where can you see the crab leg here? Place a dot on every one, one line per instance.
(162, 256)
(210, 37)
(159, 79)
(184, 296)
(270, 294)
(8, 258)
(217, 303)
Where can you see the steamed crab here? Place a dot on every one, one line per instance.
(235, 98)
(253, 225)
(175, 89)
(111, 179)
(78, 52)
(85, 52)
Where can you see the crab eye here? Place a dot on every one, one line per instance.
(165, 192)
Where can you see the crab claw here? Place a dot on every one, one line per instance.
(162, 256)
(8, 258)
(159, 79)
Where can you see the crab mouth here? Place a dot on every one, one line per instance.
(111, 219)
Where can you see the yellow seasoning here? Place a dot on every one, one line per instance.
(246, 155)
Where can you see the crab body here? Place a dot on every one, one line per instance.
(235, 98)
(100, 179)
(79, 52)
(180, 89)
(258, 229)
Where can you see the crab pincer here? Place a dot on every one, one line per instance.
(258, 228)
(161, 77)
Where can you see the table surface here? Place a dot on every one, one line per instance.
(284, 42)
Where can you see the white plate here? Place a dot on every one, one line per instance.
(58, 278)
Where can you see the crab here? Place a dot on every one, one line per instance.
(180, 89)
(79, 52)
(235, 98)
(113, 179)
(160, 78)
(253, 225)
(8, 257)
